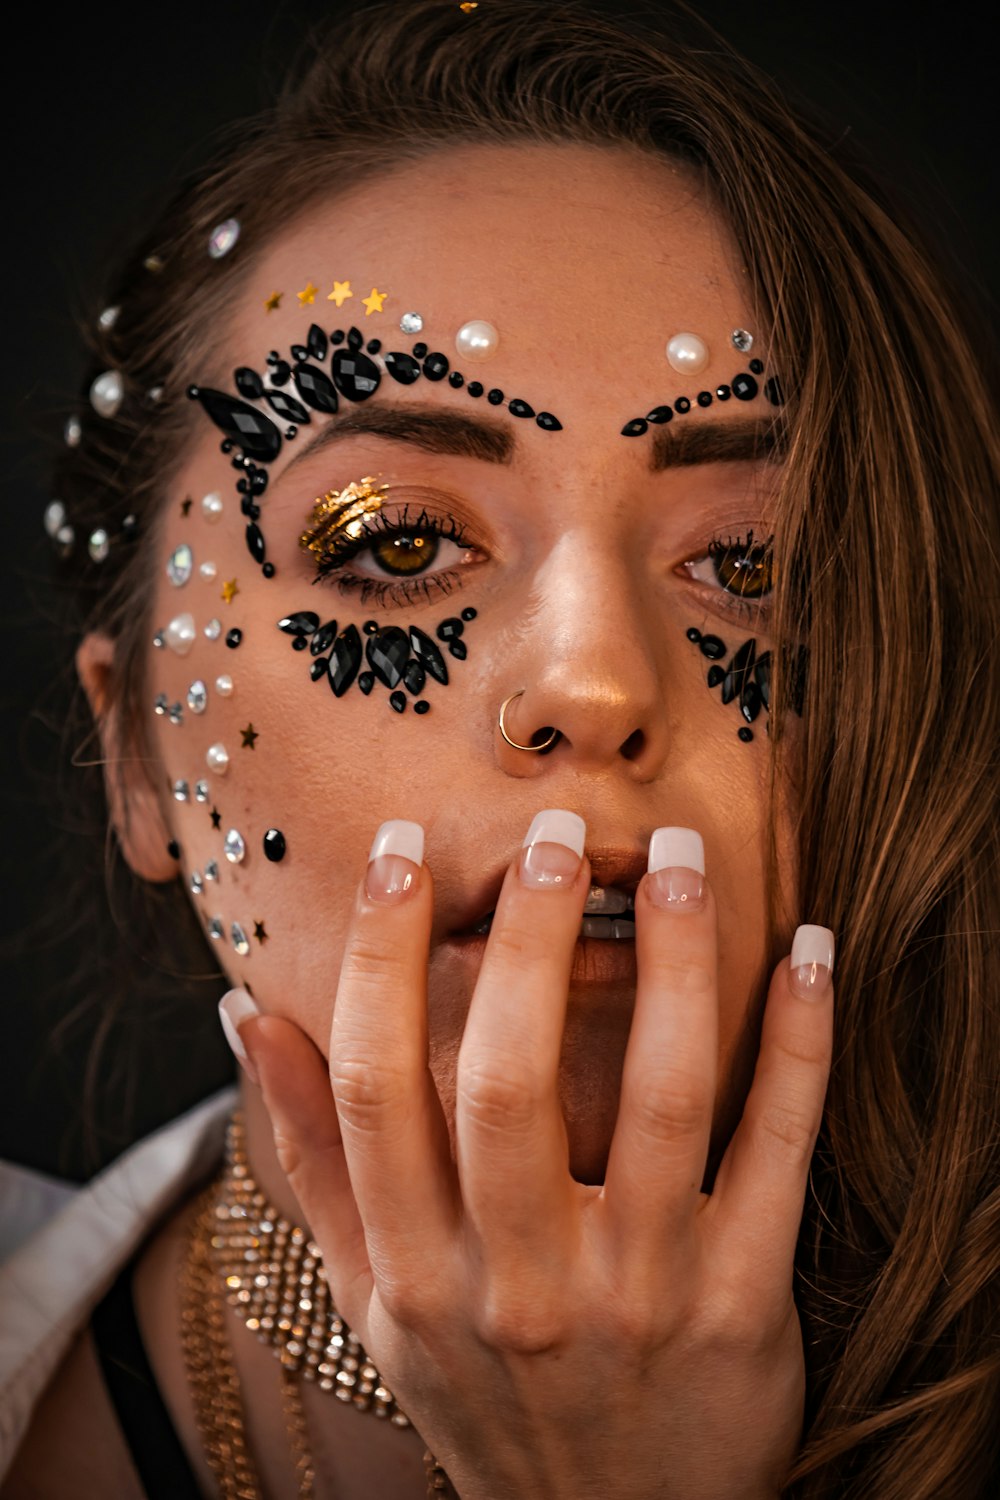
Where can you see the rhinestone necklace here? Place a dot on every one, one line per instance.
(242, 1250)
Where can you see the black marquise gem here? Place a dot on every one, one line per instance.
(548, 421)
(458, 649)
(366, 682)
(682, 404)
(716, 674)
(319, 668)
(316, 341)
(745, 387)
(402, 368)
(274, 845)
(660, 414)
(423, 707)
(757, 366)
(745, 734)
(495, 396)
(415, 677)
(722, 392)
(286, 406)
(355, 339)
(387, 653)
(750, 701)
(355, 375)
(430, 657)
(468, 613)
(457, 379)
(475, 388)
(635, 428)
(249, 383)
(712, 647)
(315, 387)
(398, 701)
(762, 672)
(256, 434)
(694, 634)
(324, 638)
(374, 346)
(704, 398)
(300, 643)
(233, 637)
(519, 408)
(303, 622)
(449, 628)
(436, 366)
(773, 391)
(255, 541)
(280, 372)
(738, 670)
(419, 350)
(345, 660)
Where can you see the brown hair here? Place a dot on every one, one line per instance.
(886, 549)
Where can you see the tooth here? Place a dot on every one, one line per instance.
(595, 927)
(607, 900)
(623, 929)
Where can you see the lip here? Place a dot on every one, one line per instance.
(609, 865)
(595, 961)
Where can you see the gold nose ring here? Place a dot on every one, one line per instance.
(513, 743)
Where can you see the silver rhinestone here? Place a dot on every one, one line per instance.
(154, 395)
(197, 884)
(201, 791)
(107, 393)
(234, 847)
(217, 757)
(411, 322)
(742, 340)
(197, 697)
(55, 516)
(64, 539)
(181, 791)
(108, 318)
(160, 706)
(223, 238)
(240, 940)
(212, 870)
(158, 640)
(216, 929)
(72, 432)
(211, 506)
(179, 565)
(213, 629)
(176, 714)
(98, 544)
(208, 570)
(224, 685)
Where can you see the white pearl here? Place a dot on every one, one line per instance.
(108, 318)
(211, 506)
(55, 516)
(107, 393)
(687, 353)
(98, 544)
(180, 633)
(477, 340)
(207, 570)
(224, 686)
(217, 757)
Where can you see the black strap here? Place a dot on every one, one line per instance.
(159, 1458)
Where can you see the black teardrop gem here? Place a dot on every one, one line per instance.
(274, 845)
(750, 703)
(316, 340)
(249, 383)
(345, 660)
(458, 649)
(355, 375)
(316, 388)
(745, 387)
(174, 849)
(300, 352)
(519, 408)
(773, 391)
(286, 406)
(660, 414)
(318, 669)
(430, 657)
(682, 404)
(456, 378)
(255, 542)
(738, 671)
(449, 628)
(280, 372)
(548, 421)
(303, 622)
(415, 677)
(762, 672)
(354, 338)
(398, 701)
(635, 428)
(324, 638)
(366, 682)
(436, 366)
(715, 674)
(712, 647)
(387, 654)
(256, 434)
(402, 368)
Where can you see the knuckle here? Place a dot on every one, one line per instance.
(787, 1130)
(411, 1303)
(517, 948)
(497, 1094)
(689, 976)
(518, 1324)
(366, 965)
(366, 1092)
(670, 1105)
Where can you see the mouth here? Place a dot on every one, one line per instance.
(608, 917)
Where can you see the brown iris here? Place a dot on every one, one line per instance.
(744, 569)
(409, 552)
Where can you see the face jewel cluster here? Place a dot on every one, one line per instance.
(744, 386)
(396, 658)
(746, 680)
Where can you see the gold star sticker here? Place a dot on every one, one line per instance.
(373, 302)
(258, 932)
(185, 507)
(229, 590)
(308, 295)
(273, 302)
(341, 292)
(249, 734)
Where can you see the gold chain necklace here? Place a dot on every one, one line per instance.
(241, 1249)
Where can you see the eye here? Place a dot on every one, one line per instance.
(740, 573)
(396, 559)
(407, 552)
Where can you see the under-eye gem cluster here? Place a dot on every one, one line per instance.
(746, 679)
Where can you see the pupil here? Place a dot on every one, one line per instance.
(407, 553)
(750, 573)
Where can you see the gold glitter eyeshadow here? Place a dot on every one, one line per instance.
(339, 513)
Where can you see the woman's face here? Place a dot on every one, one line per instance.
(575, 542)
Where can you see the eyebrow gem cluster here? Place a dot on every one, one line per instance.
(746, 679)
(744, 386)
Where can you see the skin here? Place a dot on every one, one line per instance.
(583, 600)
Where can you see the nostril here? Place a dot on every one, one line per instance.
(634, 745)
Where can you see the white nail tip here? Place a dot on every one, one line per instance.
(234, 1007)
(557, 826)
(812, 945)
(399, 837)
(671, 847)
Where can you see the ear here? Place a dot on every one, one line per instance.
(132, 802)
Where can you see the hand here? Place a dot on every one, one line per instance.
(634, 1340)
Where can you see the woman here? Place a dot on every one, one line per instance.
(650, 667)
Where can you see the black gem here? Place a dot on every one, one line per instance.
(316, 388)
(519, 408)
(130, 527)
(745, 735)
(249, 383)
(456, 378)
(398, 701)
(723, 392)
(660, 414)
(273, 357)
(255, 541)
(429, 655)
(256, 434)
(174, 849)
(744, 387)
(268, 570)
(694, 634)
(415, 677)
(762, 672)
(303, 622)
(354, 339)
(449, 628)
(682, 404)
(387, 653)
(355, 375)
(757, 366)
(316, 342)
(635, 428)
(738, 671)
(419, 350)
(366, 682)
(548, 421)
(337, 336)
(281, 373)
(402, 368)
(468, 613)
(773, 391)
(300, 643)
(458, 649)
(712, 647)
(750, 701)
(247, 502)
(233, 637)
(292, 431)
(716, 674)
(495, 396)
(435, 366)
(370, 627)
(274, 845)
(704, 398)
(287, 407)
(423, 707)
(226, 446)
(324, 638)
(345, 660)
(319, 668)
(475, 388)
(300, 352)
(373, 346)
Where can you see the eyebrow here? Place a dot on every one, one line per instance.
(440, 431)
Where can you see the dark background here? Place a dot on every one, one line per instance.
(105, 108)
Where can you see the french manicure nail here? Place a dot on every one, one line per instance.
(676, 869)
(811, 964)
(553, 848)
(394, 863)
(234, 1007)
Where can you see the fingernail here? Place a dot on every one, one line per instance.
(553, 848)
(811, 964)
(394, 862)
(234, 1007)
(676, 869)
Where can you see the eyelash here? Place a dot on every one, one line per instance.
(406, 590)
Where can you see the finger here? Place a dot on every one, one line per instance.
(512, 1144)
(295, 1085)
(395, 1136)
(759, 1192)
(660, 1146)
